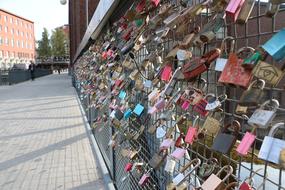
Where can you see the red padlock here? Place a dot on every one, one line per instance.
(128, 167)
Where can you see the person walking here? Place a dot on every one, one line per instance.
(32, 68)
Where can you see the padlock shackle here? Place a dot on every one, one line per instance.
(222, 98)
(195, 161)
(276, 102)
(224, 47)
(234, 124)
(228, 169)
(256, 82)
(275, 128)
(196, 119)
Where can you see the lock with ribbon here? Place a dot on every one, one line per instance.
(157, 159)
(246, 142)
(262, 116)
(178, 181)
(254, 95)
(192, 132)
(225, 141)
(214, 182)
(271, 147)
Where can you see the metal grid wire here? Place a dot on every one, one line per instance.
(270, 177)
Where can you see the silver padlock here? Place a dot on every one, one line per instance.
(262, 116)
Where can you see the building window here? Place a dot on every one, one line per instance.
(16, 21)
(1, 41)
(5, 18)
(21, 23)
(27, 45)
(27, 35)
(18, 43)
(12, 31)
(7, 41)
(30, 36)
(1, 54)
(22, 34)
(12, 42)
(23, 44)
(6, 29)
(11, 20)
(18, 32)
(0, 27)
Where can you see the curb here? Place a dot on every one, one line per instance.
(108, 182)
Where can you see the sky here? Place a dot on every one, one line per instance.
(44, 13)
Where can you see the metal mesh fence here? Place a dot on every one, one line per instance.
(256, 31)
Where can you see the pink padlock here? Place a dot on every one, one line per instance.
(160, 104)
(192, 132)
(178, 153)
(246, 143)
(233, 9)
(185, 105)
(144, 179)
(166, 143)
(128, 167)
(166, 73)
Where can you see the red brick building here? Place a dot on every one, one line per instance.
(17, 40)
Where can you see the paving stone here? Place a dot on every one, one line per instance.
(43, 141)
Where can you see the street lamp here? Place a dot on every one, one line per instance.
(63, 2)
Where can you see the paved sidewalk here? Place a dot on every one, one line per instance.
(43, 141)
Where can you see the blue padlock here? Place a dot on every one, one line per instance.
(276, 46)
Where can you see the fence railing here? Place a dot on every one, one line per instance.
(9, 77)
(270, 176)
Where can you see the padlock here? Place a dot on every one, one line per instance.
(246, 142)
(221, 62)
(254, 95)
(272, 9)
(145, 177)
(262, 116)
(282, 158)
(160, 132)
(225, 141)
(212, 124)
(245, 11)
(271, 147)
(192, 131)
(178, 153)
(157, 159)
(233, 9)
(251, 61)
(249, 184)
(153, 127)
(170, 165)
(166, 143)
(210, 30)
(268, 72)
(208, 167)
(178, 181)
(214, 182)
(241, 109)
(128, 167)
(215, 102)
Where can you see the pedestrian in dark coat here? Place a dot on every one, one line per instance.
(32, 68)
